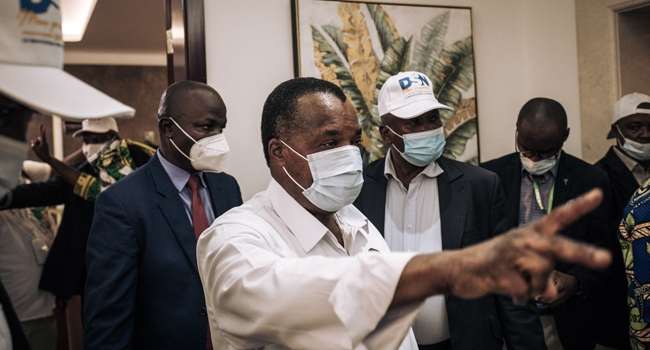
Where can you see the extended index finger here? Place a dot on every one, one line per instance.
(568, 250)
(564, 215)
(42, 132)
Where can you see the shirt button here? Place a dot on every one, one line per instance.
(409, 226)
(410, 201)
(203, 311)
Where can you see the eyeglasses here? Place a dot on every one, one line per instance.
(533, 154)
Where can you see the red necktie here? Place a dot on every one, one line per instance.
(199, 218)
(200, 221)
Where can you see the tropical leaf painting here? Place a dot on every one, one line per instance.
(359, 45)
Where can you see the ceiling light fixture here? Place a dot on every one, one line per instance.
(75, 15)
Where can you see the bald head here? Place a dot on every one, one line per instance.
(189, 111)
(542, 113)
(174, 99)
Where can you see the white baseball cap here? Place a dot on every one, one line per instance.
(627, 106)
(31, 62)
(408, 95)
(97, 126)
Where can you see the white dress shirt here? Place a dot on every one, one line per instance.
(633, 166)
(412, 223)
(275, 277)
(5, 332)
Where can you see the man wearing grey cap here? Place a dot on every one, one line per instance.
(31, 58)
(422, 202)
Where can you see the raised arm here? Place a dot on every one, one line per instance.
(517, 263)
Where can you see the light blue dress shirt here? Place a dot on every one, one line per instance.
(179, 178)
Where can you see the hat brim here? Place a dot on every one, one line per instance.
(49, 90)
(93, 130)
(418, 108)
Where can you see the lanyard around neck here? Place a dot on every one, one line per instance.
(538, 195)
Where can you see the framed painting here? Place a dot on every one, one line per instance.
(358, 45)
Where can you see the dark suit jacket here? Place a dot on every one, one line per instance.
(143, 289)
(574, 318)
(472, 209)
(614, 297)
(18, 340)
(621, 181)
(64, 270)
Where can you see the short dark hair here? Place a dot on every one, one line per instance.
(177, 92)
(543, 112)
(279, 113)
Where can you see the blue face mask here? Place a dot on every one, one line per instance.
(337, 175)
(422, 148)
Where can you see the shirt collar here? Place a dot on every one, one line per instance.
(178, 176)
(304, 226)
(432, 170)
(630, 163)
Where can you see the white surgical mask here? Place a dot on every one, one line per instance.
(12, 155)
(638, 151)
(92, 150)
(540, 167)
(337, 175)
(209, 154)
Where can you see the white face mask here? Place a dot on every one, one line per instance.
(638, 151)
(540, 167)
(92, 150)
(209, 154)
(12, 155)
(337, 174)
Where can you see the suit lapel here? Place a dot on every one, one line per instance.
(171, 207)
(513, 189)
(453, 199)
(216, 194)
(624, 178)
(375, 187)
(562, 183)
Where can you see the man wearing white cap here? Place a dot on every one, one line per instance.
(31, 58)
(299, 267)
(422, 202)
(627, 163)
(627, 166)
(108, 159)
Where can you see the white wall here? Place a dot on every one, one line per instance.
(524, 49)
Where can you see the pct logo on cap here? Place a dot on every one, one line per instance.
(415, 85)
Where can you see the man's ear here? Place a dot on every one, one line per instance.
(276, 152)
(566, 136)
(385, 134)
(165, 126)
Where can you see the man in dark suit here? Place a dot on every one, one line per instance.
(540, 177)
(143, 288)
(626, 165)
(422, 202)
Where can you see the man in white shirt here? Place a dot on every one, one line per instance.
(298, 267)
(423, 202)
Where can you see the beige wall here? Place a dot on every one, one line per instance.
(598, 74)
(524, 49)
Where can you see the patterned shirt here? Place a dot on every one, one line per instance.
(634, 237)
(113, 164)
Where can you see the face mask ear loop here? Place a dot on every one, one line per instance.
(179, 150)
(294, 181)
(294, 151)
(186, 134)
(398, 135)
(285, 169)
